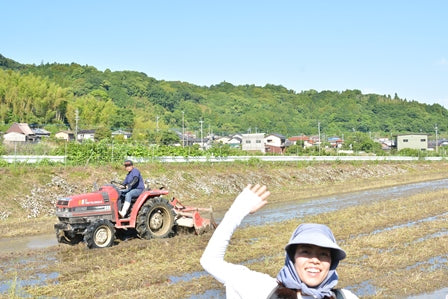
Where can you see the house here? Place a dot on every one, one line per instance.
(86, 135)
(315, 140)
(66, 135)
(412, 141)
(275, 143)
(437, 144)
(188, 139)
(19, 132)
(233, 141)
(303, 140)
(335, 142)
(386, 143)
(126, 135)
(253, 142)
(443, 142)
(203, 143)
(223, 139)
(41, 133)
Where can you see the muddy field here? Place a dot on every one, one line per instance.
(390, 217)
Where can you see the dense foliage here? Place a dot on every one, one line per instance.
(50, 95)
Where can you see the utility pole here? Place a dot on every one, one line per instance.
(183, 130)
(202, 141)
(318, 129)
(76, 123)
(157, 130)
(437, 141)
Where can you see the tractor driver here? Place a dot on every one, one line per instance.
(134, 186)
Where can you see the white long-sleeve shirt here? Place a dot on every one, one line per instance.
(240, 281)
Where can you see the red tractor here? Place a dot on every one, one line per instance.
(94, 219)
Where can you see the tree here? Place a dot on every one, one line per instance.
(91, 112)
(102, 133)
(51, 93)
(163, 137)
(124, 119)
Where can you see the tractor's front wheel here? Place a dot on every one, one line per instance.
(99, 234)
(155, 219)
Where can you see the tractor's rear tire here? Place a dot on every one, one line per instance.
(99, 234)
(155, 219)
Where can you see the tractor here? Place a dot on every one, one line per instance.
(93, 217)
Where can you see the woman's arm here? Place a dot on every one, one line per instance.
(248, 201)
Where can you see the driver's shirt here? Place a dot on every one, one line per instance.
(129, 178)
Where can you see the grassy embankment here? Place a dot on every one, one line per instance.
(390, 246)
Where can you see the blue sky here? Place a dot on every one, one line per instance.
(382, 47)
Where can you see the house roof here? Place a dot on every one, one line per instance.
(65, 132)
(224, 138)
(22, 128)
(86, 131)
(40, 131)
(121, 132)
(236, 138)
(411, 134)
(299, 138)
(334, 139)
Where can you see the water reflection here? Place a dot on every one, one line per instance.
(285, 211)
(439, 294)
(18, 284)
(27, 242)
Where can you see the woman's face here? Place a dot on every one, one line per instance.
(312, 263)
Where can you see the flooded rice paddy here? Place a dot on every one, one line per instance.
(39, 252)
(293, 210)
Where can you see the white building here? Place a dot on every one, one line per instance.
(66, 135)
(19, 132)
(412, 141)
(275, 143)
(86, 135)
(253, 142)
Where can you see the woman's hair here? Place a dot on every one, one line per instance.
(282, 292)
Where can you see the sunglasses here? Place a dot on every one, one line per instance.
(127, 165)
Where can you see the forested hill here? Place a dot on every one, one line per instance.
(49, 95)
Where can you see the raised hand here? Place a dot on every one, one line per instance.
(263, 193)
